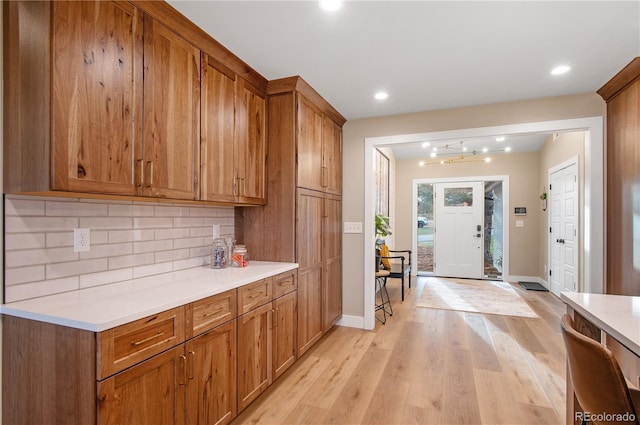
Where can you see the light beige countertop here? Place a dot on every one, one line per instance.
(616, 315)
(104, 307)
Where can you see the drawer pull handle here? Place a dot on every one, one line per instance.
(152, 337)
(183, 362)
(192, 364)
(213, 312)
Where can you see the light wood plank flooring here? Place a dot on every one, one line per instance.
(428, 366)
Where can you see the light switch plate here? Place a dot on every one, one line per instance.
(519, 223)
(352, 227)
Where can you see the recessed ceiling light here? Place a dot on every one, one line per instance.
(433, 155)
(507, 149)
(426, 145)
(464, 149)
(421, 163)
(487, 159)
(330, 5)
(560, 70)
(435, 149)
(500, 139)
(485, 150)
(381, 95)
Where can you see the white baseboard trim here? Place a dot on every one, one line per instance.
(351, 321)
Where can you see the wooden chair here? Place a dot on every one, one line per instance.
(401, 269)
(597, 380)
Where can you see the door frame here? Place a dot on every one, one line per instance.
(569, 162)
(505, 211)
(593, 238)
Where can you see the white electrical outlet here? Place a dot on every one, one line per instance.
(81, 240)
(352, 227)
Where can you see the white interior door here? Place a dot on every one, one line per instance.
(459, 230)
(564, 229)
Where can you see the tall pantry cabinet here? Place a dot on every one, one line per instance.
(302, 221)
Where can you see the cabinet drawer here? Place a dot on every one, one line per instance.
(284, 283)
(254, 295)
(210, 312)
(126, 345)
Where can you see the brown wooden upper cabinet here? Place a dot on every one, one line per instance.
(319, 149)
(170, 165)
(233, 137)
(101, 141)
(106, 99)
(96, 97)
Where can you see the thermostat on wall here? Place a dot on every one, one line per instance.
(520, 210)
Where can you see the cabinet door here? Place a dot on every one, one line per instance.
(254, 354)
(218, 166)
(285, 320)
(171, 114)
(150, 393)
(332, 256)
(309, 248)
(309, 136)
(251, 144)
(332, 156)
(96, 96)
(211, 376)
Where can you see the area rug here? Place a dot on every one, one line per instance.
(476, 296)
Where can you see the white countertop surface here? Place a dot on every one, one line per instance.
(617, 315)
(105, 307)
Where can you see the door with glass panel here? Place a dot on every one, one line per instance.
(459, 230)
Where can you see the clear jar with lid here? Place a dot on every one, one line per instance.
(240, 258)
(219, 254)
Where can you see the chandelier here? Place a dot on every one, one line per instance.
(456, 152)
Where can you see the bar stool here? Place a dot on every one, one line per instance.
(381, 288)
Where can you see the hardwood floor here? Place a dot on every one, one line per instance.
(428, 366)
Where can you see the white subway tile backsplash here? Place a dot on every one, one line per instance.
(173, 233)
(106, 223)
(128, 240)
(23, 207)
(188, 242)
(20, 224)
(116, 236)
(188, 263)
(110, 250)
(16, 241)
(171, 211)
(19, 275)
(152, 269)
(130, 260)
(130, 210)
(103, 278)
(152, 222)
(188, 222)
(72, 268)
(174, 254)
(65, 209)
(28, 257)
(40, 289)
(152, 246)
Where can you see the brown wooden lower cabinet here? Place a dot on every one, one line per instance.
(54, 374)
(211, 376)
(150, 393)
(267, 340)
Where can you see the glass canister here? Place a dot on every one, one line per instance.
(219, 254)
(240, 258)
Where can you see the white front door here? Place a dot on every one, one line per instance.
(564, 229)
(459, 230)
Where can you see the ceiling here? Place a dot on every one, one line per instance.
(427, 55)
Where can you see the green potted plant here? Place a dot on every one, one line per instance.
(383, 229)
